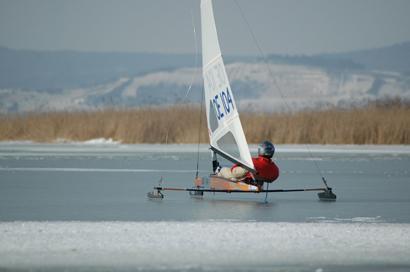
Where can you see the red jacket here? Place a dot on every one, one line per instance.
(266, 169)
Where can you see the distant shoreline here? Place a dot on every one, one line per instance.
(374, 124)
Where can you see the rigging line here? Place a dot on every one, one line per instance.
(264, 59)
(185, 99)
(196, 57)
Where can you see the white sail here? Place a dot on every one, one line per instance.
(225, 129)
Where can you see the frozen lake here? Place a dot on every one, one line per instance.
(84, 206)
(109, 183)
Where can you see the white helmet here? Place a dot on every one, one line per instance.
(266, 149)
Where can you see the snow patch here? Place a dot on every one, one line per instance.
(173, 245)
(98, 141)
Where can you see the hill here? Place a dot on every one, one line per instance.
(392, 58)
(66, 80)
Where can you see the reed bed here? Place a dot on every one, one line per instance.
(372, 124)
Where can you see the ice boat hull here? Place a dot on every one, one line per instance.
(214, 182)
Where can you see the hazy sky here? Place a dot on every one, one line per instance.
(281, 26)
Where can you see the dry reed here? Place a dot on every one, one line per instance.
(373, 124)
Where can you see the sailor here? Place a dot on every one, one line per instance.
(266, 169)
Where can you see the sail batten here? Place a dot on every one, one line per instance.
(215, 59)
(225, 128)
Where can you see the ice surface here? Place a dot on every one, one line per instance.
(109, 145)
(173, 245)
(345, 149)
(361, 219)
(106, 170)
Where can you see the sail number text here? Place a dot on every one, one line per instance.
(223, 104)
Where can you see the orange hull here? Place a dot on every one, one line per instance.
(218, 183)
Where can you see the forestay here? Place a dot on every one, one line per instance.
(225, 129)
